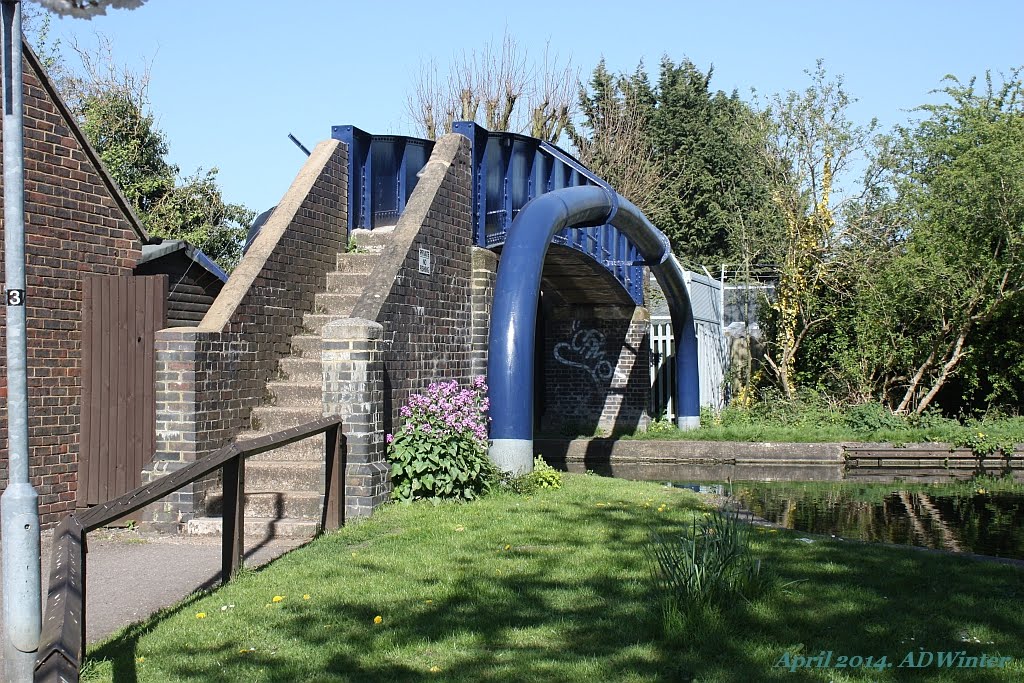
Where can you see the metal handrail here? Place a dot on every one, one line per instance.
(63, 637)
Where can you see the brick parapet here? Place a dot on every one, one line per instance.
(210, 377)
(427, 317)
(353, 387)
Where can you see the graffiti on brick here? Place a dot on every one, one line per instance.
(585, 350)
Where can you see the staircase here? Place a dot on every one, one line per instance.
(284, 487)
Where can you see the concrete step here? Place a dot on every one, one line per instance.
(301, 370)
(374, 240)
(281, 475)
(279, 418)
(337, 303)
(311, 449)
(341, 282)
(289, 393)
(300, 505)
(313, 323)
(256, 527)
(356, 263)
(306, 346)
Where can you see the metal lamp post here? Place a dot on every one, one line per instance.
(19, 504)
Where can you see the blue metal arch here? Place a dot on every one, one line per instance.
(510, 365)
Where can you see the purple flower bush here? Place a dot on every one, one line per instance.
(441, 449)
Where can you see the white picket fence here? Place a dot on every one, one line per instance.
(712, 349)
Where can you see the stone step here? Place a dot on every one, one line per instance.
(306, 346)
(313, 323)
(337, 303)
(311, 449)
(301, 370)
(288, 393)
(374, 240)
(256, 527)
(356, 263)
(342, 282)
(279, 418)
(281, 475)
(300, 505)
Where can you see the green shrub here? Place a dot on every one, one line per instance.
(983, 444)
(705, 569)
(441, 450)
(543, 476)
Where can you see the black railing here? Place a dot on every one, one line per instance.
(63, 638)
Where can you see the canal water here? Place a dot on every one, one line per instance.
(961, 517)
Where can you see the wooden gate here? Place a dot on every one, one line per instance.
(120, 317)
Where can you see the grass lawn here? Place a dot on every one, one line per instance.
(557, 587)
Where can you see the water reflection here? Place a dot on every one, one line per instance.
(956, 517)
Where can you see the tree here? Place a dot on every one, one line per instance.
(614, 140)
(810, 142)
(499, 89)
(684, 154)
(112, 105)
(963, 178)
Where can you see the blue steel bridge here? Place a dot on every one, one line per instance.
(509, 170)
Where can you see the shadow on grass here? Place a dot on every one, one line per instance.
(544, 624)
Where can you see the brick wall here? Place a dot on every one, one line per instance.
(77, 223)
(210, 378)
(485, 272)
(427, 318)
(594, 370)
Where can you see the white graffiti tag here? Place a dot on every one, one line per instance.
(585, 350)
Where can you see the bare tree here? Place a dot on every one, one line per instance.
(499, 88)
(618, 145)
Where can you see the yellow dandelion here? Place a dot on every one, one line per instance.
(508, 547)
(429, 602)
(434, 669)
(200, 615)
(140, 660)
(378, 619)
(277, 598)
(305, 596)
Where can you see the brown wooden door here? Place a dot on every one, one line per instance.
(120, 317)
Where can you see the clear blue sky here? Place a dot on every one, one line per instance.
(230, 78)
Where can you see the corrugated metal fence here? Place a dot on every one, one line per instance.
(712, 349)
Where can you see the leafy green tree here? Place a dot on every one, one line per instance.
(963, 178)
(684, 154)
(113, 108)
(613, 138)
(809, 143)
(130, 146)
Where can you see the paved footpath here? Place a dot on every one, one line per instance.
(131, 574)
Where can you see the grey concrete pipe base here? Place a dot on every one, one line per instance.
(512, 455)
(688, 423)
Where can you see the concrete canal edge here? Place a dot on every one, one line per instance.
(654, 460)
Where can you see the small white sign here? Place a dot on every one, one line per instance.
(425, 261)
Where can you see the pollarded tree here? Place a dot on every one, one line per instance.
(499, 88)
